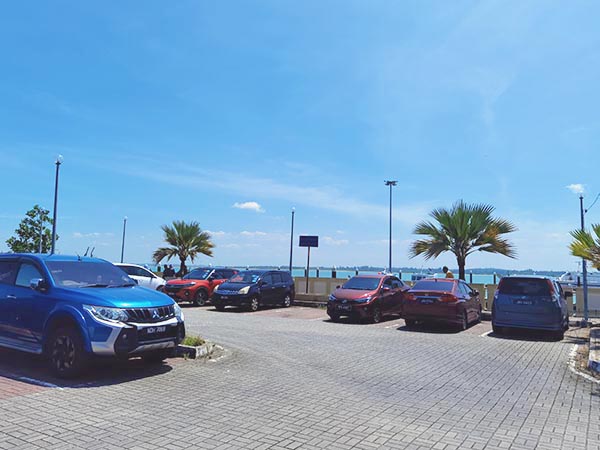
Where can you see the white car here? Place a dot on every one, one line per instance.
(143, 276)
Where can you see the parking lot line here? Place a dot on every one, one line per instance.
(485, 334)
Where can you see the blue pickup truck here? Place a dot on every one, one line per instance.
(71, 308)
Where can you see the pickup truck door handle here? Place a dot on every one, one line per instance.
(11, 297)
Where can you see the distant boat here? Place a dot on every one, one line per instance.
(571, 278)
(421, 276)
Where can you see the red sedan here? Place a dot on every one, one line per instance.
(442, 300)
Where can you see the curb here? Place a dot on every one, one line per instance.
(201, 351)
(594, 357)
(309, 303)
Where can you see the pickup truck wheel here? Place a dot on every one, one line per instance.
(200, 298)
(66, 354)
(497, 330)
(254, 304)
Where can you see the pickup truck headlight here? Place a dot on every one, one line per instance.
(244, 290)
(363, 300)
(332, 298)
(109, 314)
(178, 312)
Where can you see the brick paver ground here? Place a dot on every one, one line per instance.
(290, 379)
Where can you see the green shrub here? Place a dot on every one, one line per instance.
(193, 341)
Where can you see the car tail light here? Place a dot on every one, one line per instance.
(448, 298)
(410, 297)
(551, 287)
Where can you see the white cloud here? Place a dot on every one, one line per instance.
(216, 233)
(253, 206)
(328, 240)
(576, 188)
(253, 233)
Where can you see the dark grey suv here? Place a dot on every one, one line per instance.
(252, 289)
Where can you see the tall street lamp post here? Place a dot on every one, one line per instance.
(390, 183)
(123, 240)
(292, 239)
(584, 267)
(58, 162)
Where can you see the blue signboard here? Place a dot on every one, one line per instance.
(309, 241)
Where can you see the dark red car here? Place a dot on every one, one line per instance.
(367, 297)
(442, 300)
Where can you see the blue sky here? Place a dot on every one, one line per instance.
(189, 110)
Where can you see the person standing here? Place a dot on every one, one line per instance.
(447, 272)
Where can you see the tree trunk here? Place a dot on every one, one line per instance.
(182, 268)
(461, 267)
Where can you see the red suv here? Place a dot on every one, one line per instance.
(367, 297)
(198, 285)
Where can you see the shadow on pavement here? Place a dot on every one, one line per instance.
(435, 328)
(351, 321)
(32, 369)
(516, 334)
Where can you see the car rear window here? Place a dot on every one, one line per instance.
(433, 285)
(524, 286)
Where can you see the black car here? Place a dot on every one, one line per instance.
(252, 289)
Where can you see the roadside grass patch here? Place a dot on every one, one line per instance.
(193, 341)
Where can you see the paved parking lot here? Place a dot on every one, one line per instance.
(291, 379)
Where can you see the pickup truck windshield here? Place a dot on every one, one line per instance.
(85, 274)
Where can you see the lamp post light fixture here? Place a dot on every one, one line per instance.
(292, 240)
(390, 183)
(123, 240)
(58, 162)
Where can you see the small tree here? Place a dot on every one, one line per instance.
(462, 230)
(27, 236)
(587, 246)
(187, 240)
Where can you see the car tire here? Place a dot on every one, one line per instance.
(287, 301)
(219, 307)
(558, 335)
(376, 316)
(497, 330)
(200, 298)
(334, 317)
(410, 323)
(254, 304)
(464, 323)
(157, 357)
(66, 354)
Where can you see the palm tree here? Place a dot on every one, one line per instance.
(462, 230)
(187, 240)
(585, 246)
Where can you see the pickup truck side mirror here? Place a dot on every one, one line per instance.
(475, 293)
(385, 289)
(38, 284)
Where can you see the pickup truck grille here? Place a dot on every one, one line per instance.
(151, 315)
